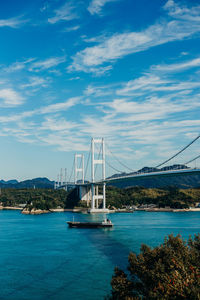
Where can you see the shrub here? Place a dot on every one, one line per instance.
(169, 271)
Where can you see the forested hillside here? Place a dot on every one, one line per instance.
(46, 199)
(171, 196)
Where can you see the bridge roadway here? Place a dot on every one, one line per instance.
(167, 173)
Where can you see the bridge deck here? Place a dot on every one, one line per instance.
(143, 175)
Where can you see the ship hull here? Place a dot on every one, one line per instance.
(88, 225)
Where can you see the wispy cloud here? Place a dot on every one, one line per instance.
(72, 28)
(182, 12)
(63, 143)
(47, 63)
(44, 110)
(60, 124)
(62, 106)
(35, 81)
(173, 28)
(98, 91)
(149, 81)
(96, 6)
(13, 118)
(155, 83)
(10, 98)
(178, 66)
(17, 66)
(64, 13)
(74, 78)
(12, 22)
(149, 109)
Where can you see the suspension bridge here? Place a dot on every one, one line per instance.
(88, 190)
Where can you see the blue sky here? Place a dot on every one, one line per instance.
(125, 70)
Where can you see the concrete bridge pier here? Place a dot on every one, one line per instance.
(90, 194)
(95, 200)
(85, 193)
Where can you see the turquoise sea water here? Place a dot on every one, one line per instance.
(41, 258)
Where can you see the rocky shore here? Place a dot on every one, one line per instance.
(34, 211)
(40, 211)
(68, 209)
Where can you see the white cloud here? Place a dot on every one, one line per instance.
(182, 12)
(60, 124)
(25, 139)
(98, 91)
(108, 128)
(63, 142)
(113, 48)
(149, 81)
(36, 81)
(178, 67)
(17, 66)
(12, 22)
(35, 66)
(64, 13)
(151, 108)
(52, 108)
(47, 63)
(73, 28)
(155, 83)
(10, 119)
(95, 6)
(10, 98)
(75, 78)
(122, 44)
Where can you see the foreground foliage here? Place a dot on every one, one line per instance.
(169, 271)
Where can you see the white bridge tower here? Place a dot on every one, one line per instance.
(79, 158)
(90, 191)
(94, 184)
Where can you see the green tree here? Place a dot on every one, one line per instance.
(169, 271)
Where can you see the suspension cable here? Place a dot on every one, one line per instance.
(113, 167)
(178, 152)
(71, 172)
(192, 160)
(87, 161)
(80, 162)
(120, 161)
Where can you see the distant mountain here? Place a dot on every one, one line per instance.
(168, 168)
(14, 181)
(150, 169)
(180, 180)
(36, 182)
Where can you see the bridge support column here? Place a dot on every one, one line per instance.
(95, 196)
(85, 193)
(78, 169)
(104, 195)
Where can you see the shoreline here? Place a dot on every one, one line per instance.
(84, 210)
(10, 208)
(68, 209)
(169, 209)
